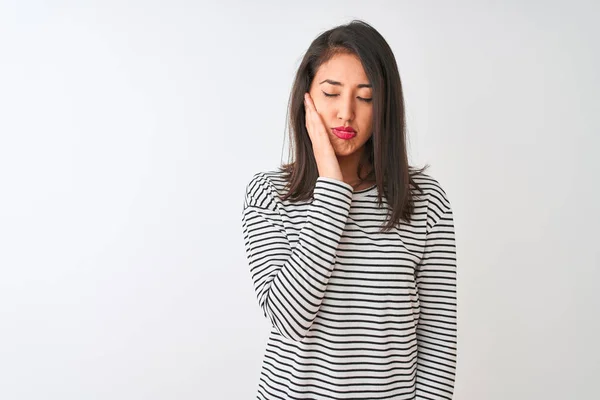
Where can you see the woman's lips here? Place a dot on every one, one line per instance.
(343, 134)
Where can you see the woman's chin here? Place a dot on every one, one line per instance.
(342, 150)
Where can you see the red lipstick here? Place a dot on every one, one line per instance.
(344, 132)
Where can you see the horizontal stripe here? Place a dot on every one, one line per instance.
(355, 313)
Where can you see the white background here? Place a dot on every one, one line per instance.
(128, 131)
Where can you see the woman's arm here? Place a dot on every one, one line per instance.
(290, 283)
(436, 328)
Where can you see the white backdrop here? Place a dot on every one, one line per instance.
(128, 131)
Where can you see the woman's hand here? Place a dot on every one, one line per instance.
(327, 162)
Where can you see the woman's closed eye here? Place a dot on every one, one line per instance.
(360, 98)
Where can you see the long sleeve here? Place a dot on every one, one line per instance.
(290, 283)
(436, 328)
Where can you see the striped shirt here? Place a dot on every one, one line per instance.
(355, 313)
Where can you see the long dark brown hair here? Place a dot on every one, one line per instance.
(386, 148)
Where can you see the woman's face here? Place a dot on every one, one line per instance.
(342, 96)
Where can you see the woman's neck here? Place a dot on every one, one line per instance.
(349, 167)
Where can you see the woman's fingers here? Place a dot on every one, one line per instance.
(314, 123)
(309, 115)
(323, 151)
(306, 104)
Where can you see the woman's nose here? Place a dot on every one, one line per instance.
(346, 109)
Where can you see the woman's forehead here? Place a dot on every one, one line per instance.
(343, 70)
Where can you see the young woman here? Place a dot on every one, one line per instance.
(351, 250)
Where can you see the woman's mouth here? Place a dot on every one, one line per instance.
(344, 133)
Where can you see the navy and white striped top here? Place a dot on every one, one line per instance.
(355, 313)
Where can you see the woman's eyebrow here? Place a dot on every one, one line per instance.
(332, 82)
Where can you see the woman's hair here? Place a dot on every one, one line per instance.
(386, 148)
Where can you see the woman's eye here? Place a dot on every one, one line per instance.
(360, 98)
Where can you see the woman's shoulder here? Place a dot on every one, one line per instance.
(263, 188)
(427, 187)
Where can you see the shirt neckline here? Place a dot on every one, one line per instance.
(364, 192)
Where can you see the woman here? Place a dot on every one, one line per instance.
(350, 249)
